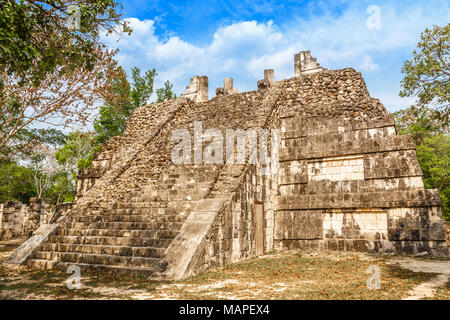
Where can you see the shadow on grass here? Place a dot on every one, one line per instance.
(398, 272)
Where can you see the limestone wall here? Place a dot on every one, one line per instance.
(20, 220)
(12, 220)
(354, 186)
(232, 237)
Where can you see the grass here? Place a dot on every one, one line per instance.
(293, 276)
(288, 275)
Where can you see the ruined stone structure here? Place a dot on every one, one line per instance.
(268, 79)
(345, 181)
(19, 220)
(447, 229)
(227, 88)
(12, 220)
(197, 91)
(304, 63)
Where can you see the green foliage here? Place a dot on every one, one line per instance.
(51, 136)
(122, 101)
(165, 93)
(142, 87)
(20, 145)
(76, 153)
(427, 75)
(11, 108)
(429, 130)
(20, 166)
(434, 158)
(36, 40)
(16, 183)
(62, 190)
(110, 122)
(421, 122)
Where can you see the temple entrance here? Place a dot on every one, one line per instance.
(259, 228)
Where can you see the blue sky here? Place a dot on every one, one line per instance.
(240, 39)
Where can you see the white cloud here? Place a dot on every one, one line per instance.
(281, 60)
(243, 50)
(367, 64)
(231, 49)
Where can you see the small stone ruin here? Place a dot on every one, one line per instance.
(304, 63)
(197, 91)
(20, 220)
(227, 88)
(268, 79)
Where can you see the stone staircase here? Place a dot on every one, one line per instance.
(108, 241)
(142, 207)
(126, 221)
(133, 235)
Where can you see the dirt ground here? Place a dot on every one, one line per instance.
(287, 275)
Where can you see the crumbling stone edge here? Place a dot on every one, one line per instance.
(32, 245)
(180, 257)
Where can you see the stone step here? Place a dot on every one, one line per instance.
(123, 225)
(153, 212)
(183, 197)
(84, 267)
(129, 218)
(152, 234)
(105, 249)
(102, 259)
(113, 241)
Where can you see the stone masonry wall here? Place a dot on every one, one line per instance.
(12, 220)
(19, 220)
(346, 180)
(232, 237)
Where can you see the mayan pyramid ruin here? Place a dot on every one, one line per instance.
(345, 181)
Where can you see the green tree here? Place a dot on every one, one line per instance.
(20, 145)
(43, 166)
(422, 122)
(165, 93)
(62, 190)
(16, 182)
(427, 75)
(36, 37)
(76, 153)
(434, 158)
(121, 101)
(429, 129)
(142, 88)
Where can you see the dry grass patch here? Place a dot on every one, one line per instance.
(287, 275)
